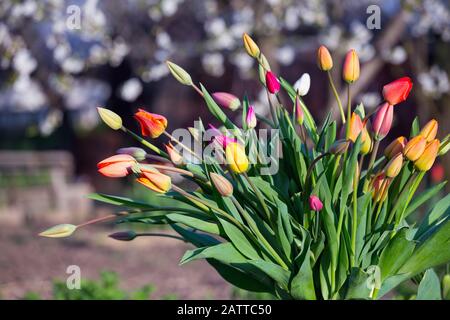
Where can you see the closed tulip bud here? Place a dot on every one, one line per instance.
(227, 100)
(429, 131)
(395, 147)
(298, 111)
(339, 147)
(251, 118)
(380, 184)
(303, 84)
(152, 124)
(236, 158)
(350, 70)
(154, 180)
(174, 155)
(137, 153)
(117, 166)
(123, 235)
(223, 186)
(394, 166)
(263, 67)
(250, 46)
(382, 121)
(112, 119)
(324, 60)
(426, 160)
(397, 91)
(272, 83)
(59, 231)
(179, 73)
(356, 127)
(315, 204)
(366, 141)
(414, 148)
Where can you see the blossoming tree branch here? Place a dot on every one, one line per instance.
(331, 223)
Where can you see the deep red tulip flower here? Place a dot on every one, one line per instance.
(273, 85)
(397, 91)
(314, 203)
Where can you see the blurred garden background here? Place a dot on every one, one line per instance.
(60, 59)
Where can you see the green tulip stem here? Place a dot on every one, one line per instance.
(182, 145)
(145, 142)
(336, 95)
(154, 234)
(260, 199)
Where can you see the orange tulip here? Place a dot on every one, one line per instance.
(426, 160)
(174, 155)
(116, 166)
(154, 180)
(429, 131)
(380, 184)
(414, 148)
(356, 127)
(152, 125)
(324, 60)
(350, 70)
(395, 147)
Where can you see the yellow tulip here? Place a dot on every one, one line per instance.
(414, 148)
(429, 131)
(236, 158)
(395, 147)
(426, 160)
(350, 70)
(324, 60)
(250, 46)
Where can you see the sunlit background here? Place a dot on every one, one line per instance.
(59, 60)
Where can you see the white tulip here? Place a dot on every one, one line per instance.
(302, 85)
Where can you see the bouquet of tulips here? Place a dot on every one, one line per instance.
(314, 212)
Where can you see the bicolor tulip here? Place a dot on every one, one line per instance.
(426, 160)
(59, 231)
(395, 147)
(152, 124)
(298, 111)
(112, 119)
(227, 100)
(179, 73)
(303, 84)
(272, 82)
(350, 70)
(314, 203)
(154, 180)
(174, 155)
(380, 184)
(251, 118)
(397, 91)
(393, 167)
(138, 153)
(324, 60)
(236, 158)
(414, 148)
(382, 121)
(429, 131)
(250, 46)
(356, 126)
(223, 186)
(117, 166)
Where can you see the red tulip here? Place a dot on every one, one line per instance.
(152, 125)
(273, 85)
(116, 166)
(382, 121)
(397, 91)
(437, 173)
(314, 203)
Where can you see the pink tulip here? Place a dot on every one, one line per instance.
(273, 85)
(382, 121)
(227, 100)
(314, 203)
(251, 118)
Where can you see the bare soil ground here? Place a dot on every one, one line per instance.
(30, 263)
